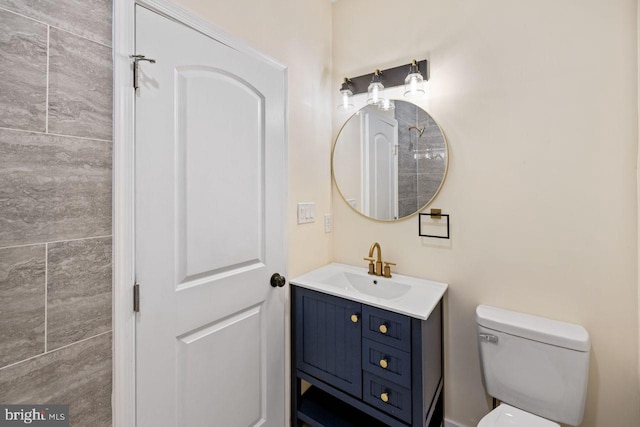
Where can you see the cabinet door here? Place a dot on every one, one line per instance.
(328, 339)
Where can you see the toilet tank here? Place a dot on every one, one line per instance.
(538, 365)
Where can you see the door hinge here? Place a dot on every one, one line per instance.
(136, 71)
(136, 297)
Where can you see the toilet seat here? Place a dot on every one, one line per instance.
(508, 416)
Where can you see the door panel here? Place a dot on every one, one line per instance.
(210, 217)
(235, 343)
(216, 143)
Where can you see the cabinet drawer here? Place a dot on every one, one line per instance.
(398, 399)
(386, 362)
(388, 328)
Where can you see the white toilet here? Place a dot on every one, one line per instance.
(538, 368)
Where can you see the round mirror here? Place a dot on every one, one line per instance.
(389, 164)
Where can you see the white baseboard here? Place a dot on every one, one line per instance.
(449, 423)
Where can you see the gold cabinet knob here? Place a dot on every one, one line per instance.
(354, 318)
(383, 328)
(384, 363)
(384, 397)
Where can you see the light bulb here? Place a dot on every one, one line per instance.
(414, 83)
(374, 93)
(347, 100)
(347, 96)
(375, 89)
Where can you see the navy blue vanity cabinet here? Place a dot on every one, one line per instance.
(367, 367)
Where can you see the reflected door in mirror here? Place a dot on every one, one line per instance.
(380, 165)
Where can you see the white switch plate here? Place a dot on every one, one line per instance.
(306, 212)
(328, 223)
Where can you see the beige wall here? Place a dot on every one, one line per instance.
(638, 171)
(538, 101)
(297, 33)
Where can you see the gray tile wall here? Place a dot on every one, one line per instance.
(22, 311)
(55, 205)
(419, 178)
(23, 81)
(406, 114)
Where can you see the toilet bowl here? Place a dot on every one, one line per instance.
(508, 416)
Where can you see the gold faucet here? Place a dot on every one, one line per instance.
(376, 269)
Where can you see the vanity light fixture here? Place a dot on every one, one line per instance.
(347, 96)
(414, 83)
(374, 91)
(374, 84)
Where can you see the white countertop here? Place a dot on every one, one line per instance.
(418, 299)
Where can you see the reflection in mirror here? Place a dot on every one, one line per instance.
(389, 164)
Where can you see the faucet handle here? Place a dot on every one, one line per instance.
(372, 267)
(387, 268)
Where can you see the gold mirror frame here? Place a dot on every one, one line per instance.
(444, 175)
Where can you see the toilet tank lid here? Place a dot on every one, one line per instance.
(553, 332)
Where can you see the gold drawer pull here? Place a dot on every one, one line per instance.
(384, 363)
(384, 397)
(354, 318)
(383, 328)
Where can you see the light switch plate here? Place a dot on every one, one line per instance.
(306, 212)
(328, 223)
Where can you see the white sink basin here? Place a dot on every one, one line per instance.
(370, 285)
(401, 294)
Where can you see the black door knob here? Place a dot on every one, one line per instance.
(278, 280)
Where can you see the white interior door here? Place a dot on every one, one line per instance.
(210, 216)
(380, 168)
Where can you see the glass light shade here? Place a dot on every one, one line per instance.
(414, 85)
(387, 104)
(375, 93)
(347, 100)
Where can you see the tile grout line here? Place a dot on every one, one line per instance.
(56, 134)
(55, 241)
(57, 28)
(46, 296)
(56, 349)
(46, 107)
